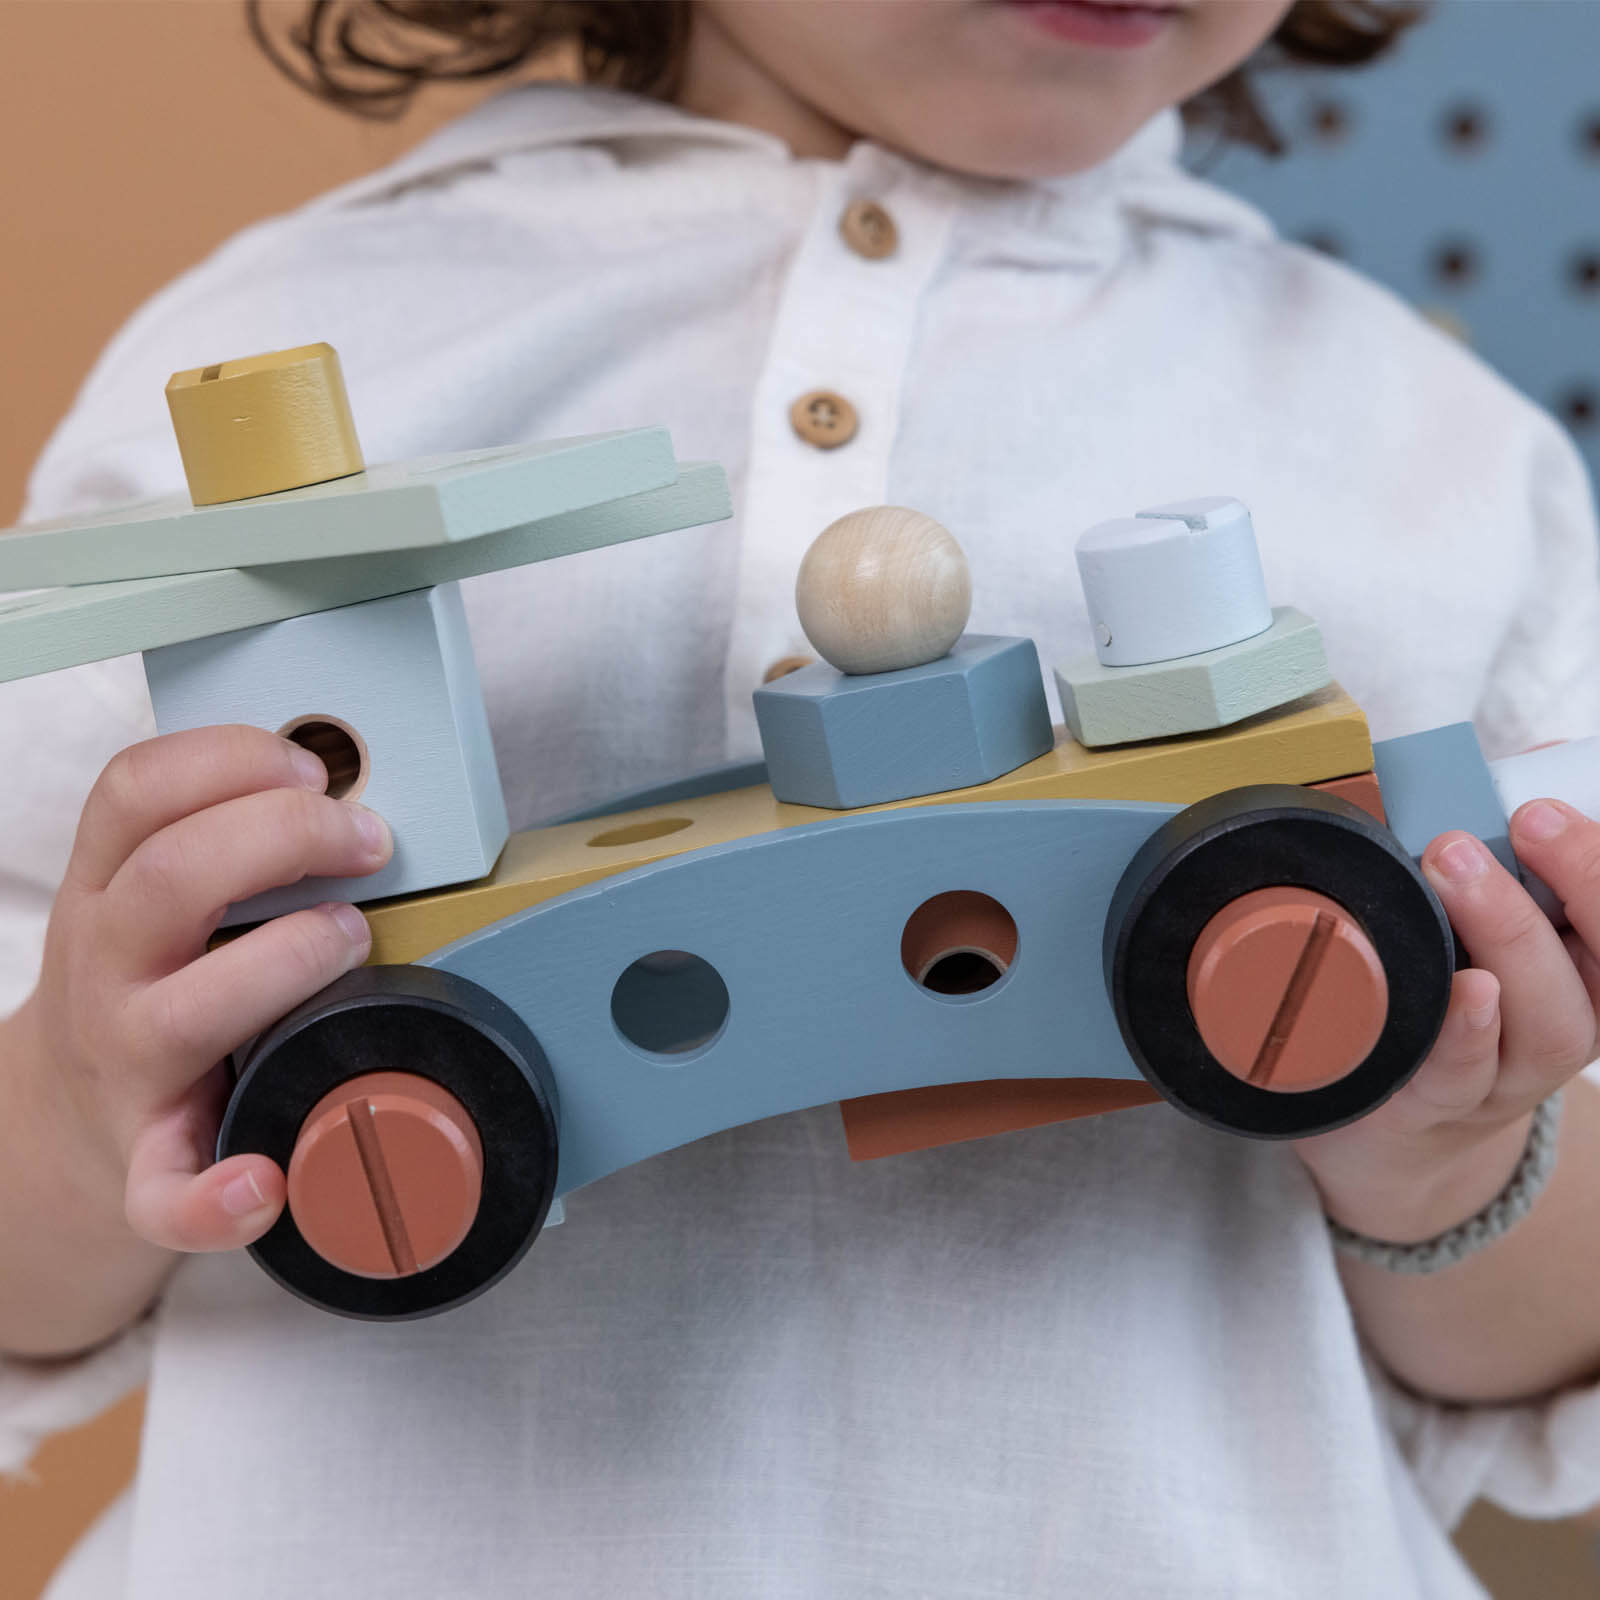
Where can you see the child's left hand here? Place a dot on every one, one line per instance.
(1521, 1023)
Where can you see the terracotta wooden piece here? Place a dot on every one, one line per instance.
(877, 1125)
(386, 1175)
(1360, 789)
(1286, 989)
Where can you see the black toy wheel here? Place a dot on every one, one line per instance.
(440, 1028)
(1261, 837)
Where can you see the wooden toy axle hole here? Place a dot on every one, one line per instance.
(670, 1003)
(639, 832)
(338, 747)
(959, 943)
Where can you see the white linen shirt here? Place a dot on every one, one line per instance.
(1107, 1357)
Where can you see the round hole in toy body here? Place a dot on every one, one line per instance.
(640, 832)
(670, 1005)
(338, 746)
(441, 1062)
(1211, 856)
(958, 943)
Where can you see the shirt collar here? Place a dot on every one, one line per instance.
(1144, 178)
(536, 116)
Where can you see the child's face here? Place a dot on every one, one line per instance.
(999, 88)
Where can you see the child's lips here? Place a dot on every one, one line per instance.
(1098, 22)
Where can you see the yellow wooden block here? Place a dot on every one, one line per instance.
(541, 863)
(263, 424)
(1320, 737)
(1323, 735)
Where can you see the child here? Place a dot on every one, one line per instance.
(1105, 1358)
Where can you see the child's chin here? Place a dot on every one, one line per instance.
(1053, 144)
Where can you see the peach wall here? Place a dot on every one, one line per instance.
(137, 134)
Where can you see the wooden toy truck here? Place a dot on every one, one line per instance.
(927, 904)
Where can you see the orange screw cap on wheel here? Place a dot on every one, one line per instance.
(1286, 989)
(386, 1175)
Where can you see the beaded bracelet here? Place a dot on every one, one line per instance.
(1503, 1213)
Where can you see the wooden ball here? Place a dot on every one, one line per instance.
(883, 589)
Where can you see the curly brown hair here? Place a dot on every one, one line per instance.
(372, 56)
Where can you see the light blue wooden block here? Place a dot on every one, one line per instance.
(804, 926)
(93, 622)
(400, 672)
(1438, 780)
(1119, 705)
(399, 506)
(841, 741)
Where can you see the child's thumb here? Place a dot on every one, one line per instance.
(174, 1200)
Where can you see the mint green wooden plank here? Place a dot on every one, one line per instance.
(66, 627)
(401, 506)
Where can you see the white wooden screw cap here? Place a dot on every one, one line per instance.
(1173, 581)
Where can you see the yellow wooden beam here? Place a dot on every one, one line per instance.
(1319, 737)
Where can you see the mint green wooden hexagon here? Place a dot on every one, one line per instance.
(1120, 705)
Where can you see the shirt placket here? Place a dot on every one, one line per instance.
(827, 403)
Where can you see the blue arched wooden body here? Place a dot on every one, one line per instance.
(804, 927)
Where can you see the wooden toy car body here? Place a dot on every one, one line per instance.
(691, 963)
(946, 965)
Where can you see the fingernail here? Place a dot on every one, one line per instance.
(242, 1195)
(1540, 821)
(307, 767)
(1482, 1016)
(351, 923)
(1462, 860)
(373, 829)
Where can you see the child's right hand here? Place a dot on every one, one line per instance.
(132, 1017)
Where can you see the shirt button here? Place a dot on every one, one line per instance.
(824, 419)
(784, 665)
(869, 230)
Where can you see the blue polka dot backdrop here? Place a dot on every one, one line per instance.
(1464, 173)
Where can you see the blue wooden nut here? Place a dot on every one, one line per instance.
(1437, 780)
(842, 742)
